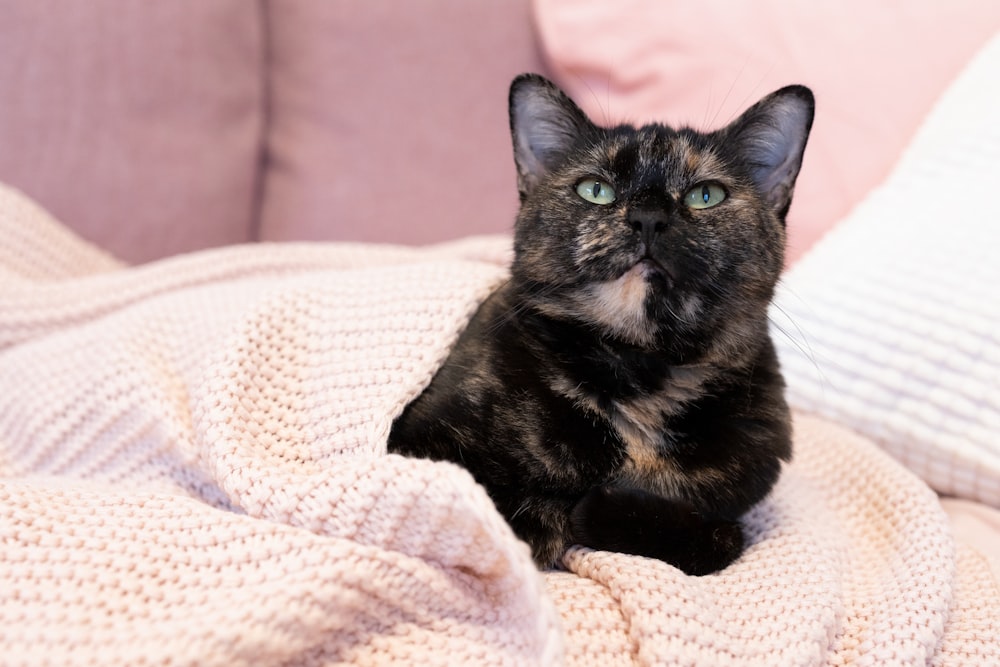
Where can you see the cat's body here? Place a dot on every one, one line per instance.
(621, 391)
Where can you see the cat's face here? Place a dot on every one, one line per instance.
(654, 235)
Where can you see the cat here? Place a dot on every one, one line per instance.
(621, 390)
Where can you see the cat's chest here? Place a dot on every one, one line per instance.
(643, 424)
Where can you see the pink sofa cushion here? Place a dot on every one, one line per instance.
(876, 69)
(388, 119)
(138, 123)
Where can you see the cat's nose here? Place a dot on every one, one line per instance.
(648, 222)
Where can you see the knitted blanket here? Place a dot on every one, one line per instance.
(193, 471)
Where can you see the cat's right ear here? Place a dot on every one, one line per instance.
(771, 137)
(544, 124)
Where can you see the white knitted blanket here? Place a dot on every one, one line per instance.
(193, 472)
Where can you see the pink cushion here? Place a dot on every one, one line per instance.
(137, 123)
(388, 119)
(876, 69)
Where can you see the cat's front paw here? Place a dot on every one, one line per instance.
(640, 523)
(722, 544)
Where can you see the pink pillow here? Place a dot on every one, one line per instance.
(388, 119)
(876, 69)
(136, 123)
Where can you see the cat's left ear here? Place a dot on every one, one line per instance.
(770, 138)
(544, 125)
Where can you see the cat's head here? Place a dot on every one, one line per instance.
(654, 235)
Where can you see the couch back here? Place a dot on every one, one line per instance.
(159, 128)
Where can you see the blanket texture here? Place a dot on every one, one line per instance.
(193, 471)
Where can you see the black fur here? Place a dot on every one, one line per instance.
(621, 391)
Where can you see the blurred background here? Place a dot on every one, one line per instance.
(155, 128)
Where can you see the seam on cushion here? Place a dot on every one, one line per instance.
(264, 129)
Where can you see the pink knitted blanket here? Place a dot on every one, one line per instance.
(193, 472)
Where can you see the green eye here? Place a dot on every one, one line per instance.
(705, 195)
(595, 191)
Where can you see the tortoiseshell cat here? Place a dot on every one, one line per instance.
(621, 391)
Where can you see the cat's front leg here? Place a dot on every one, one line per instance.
(631, 521)
(541, 521)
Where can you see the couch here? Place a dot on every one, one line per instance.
(240, 237)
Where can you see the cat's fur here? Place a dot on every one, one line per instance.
(621, 391)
